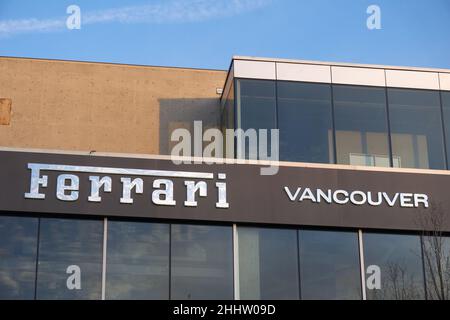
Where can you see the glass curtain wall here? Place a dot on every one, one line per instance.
(361, 125)
(445, 96)
(398, 261)
(256, 109)
(305, 122)
(329, 265)
(201, 262)
(268, 264)
(18, 253)
(369, 123)
(70, 259)
(46, 258)
(137, 261)
(416, 128)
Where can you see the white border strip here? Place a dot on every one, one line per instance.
(237, 289)
(122, 171)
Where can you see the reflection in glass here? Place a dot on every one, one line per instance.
(65, 246)
(446, 113)
(137, 261)
(305, 122)
(436, 255)
(18, 246)
(256, 109)
(201, 262)
(329, 265)
(416, 128)
(361, 125)
(227, 118)
(400, 262)
(268, 264)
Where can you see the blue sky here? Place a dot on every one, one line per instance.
(207, 33)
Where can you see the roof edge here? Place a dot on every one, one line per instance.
(341, 64)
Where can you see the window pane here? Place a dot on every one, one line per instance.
(399, 259)
(137, 261)
(70, 250)
(436, 254)
(18, 246)
(256, 108)
(305, 122)
(201, 262)
(228, 117)
(268, 264)
(446, 111)
(361, 125)
(416, 128)
(329, 265)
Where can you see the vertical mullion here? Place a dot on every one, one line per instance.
(388, 117)
(237, 295)
(362, 265)
(333, 124)
(236, 113)
(298, 266)
(423, 267)
(170, 261)
(105, 247)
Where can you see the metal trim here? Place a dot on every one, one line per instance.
(362, 265)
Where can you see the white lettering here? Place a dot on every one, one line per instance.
(72, 187)
(420, 198)
(360, 194)
(163, 197)
(288, 192)
(308, 195)
(390, 202)
(406, 200)
(336, 198)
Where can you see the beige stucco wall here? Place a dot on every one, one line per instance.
(103, 107)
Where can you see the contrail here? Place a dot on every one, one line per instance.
(169, 11)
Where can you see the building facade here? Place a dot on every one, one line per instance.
(93, 207)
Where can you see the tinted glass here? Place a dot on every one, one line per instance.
(18, 246)
(305, 122)
(436, 254)
(398, 258)
(268, 264)
(228, 117)
(201, 262)
(446, 111)
(329, 265)
(361, 125)
(256, 108)
(70, 259)
(137, 261)
(416, 128)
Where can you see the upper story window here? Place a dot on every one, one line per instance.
(446, 115)
(361, 125)
(256, 108)
(348, 124)
(342, 114)
(305, 122)
(416, 128)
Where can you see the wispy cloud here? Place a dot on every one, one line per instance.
(168, 11)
